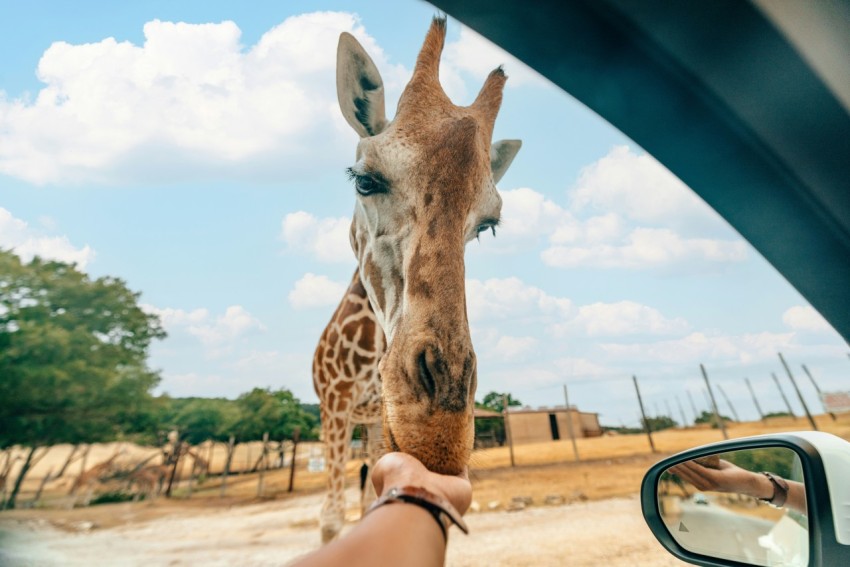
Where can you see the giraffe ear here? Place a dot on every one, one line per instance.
(359, 88)
(502, 154)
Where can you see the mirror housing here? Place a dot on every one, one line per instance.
(825, 461)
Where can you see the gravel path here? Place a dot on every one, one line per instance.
(608, 532)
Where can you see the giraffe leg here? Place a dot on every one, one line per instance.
(332, 516)
(376, 450)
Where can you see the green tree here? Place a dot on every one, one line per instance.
(658, 423)
(73, 357)
(206, 418)
(493, 401)
(708, 417)
(492, 428)
(276, 412)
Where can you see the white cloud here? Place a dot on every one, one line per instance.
(234, 323)
(316, 291)
(514, 348)
(511, 297)
(698, 347)
(173, 318)
(625, 211)
(645, 248)
(805, 318)
(580, 367)
(528, 218)
(326, 239)
(190, 102)
(619, 319)
(27, 242)
(641, 189)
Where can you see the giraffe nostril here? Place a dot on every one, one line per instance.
(425, 376)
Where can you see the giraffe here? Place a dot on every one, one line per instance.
(397, 354)
(96, 474)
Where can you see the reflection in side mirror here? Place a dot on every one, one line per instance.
(747, 505)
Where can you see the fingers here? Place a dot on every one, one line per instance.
(400, 469)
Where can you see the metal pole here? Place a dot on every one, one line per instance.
(570, 423)
(693, 406)
(681, 411)
(669, 412)
(643, 414)
(755, 399)
(799, 394)
(820, 394)
(728, 402)
(784, 399)
(714, 403)
(508, 428)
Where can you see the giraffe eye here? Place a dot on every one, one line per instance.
(367, 184)
(484, 226)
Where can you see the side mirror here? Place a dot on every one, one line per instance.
(771, 500)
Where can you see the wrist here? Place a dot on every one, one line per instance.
(440, 508)
(763, 489)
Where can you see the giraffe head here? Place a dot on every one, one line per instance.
(425, 185)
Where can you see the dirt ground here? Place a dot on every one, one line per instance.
(598, 523)
(608, 532)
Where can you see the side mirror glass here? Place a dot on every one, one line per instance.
(747, 505)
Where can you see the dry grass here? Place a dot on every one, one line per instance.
(610, 466)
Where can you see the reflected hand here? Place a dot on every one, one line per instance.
(726, 478)
(400, 469)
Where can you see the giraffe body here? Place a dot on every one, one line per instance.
(345, 377)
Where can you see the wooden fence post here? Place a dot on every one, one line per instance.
(296, 436)
(820, 394)
(782, 393)
(570, 423)
(755, 399)
(229, 458)
(714, 403)
(728, 402)
(507, 420)
(799, 394)
(643, 415)
(261, 481)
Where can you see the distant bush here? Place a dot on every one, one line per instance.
(113, 497)
(777, 414)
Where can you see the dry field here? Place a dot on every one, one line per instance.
(600, 493)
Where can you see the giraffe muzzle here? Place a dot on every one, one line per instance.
(447, 385)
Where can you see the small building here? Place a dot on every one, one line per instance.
(529, 425)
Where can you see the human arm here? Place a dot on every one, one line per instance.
(730, 478)
(399, 533)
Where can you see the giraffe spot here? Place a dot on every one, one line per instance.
(361, 361)
(349, 331)
(367, 337)
(428, 199)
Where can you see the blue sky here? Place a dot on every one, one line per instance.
(196, 150)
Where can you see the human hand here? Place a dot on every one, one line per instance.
(726, 478)
(400, 469)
